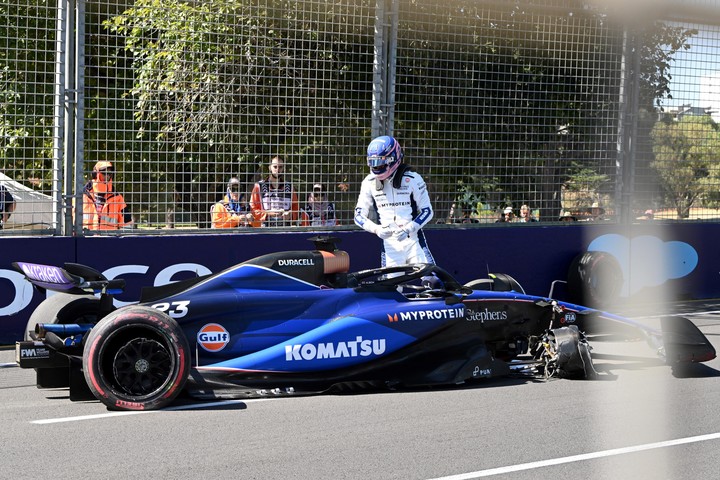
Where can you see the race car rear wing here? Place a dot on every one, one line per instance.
(74, 278)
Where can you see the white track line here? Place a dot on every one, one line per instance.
(137, 412)
(580, 458)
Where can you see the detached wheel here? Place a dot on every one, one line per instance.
(594, 279)
(136, 358)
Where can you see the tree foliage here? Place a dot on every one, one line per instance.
(241, 83)
(27, 91)
(528, 108)
(685, 155)
(498, 97)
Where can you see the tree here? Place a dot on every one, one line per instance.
(227, 84)
(685, 152)
(26, 91)
(180, 94)
(534, 109)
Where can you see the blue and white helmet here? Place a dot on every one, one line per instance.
(384, 156)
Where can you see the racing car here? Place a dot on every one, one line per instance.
(299, 322)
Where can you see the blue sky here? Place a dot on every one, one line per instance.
(690, 66)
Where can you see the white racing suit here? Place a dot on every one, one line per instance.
(402, 206)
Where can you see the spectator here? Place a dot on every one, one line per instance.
(526, 214)
(567, 217)
(274, 202)
(7, 205)
(318, 212)
(648, 215)
(399, 197)
(508, 215)
(103, 209)
(231, 211)
(597, 213)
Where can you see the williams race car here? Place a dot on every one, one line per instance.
(299, 322)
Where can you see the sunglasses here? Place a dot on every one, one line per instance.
(102, 175)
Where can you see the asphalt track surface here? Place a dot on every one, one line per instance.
(640, 421)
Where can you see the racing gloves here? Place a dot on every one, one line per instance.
(405, 231)
(383, 232)
(400, 233)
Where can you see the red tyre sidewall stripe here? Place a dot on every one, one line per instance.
(91, 364)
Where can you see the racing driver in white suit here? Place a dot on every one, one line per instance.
(397, 196)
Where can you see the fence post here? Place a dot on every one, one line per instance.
(79, 115)
(59, 118)
(69, 119)
(383, 104)
(627, 135)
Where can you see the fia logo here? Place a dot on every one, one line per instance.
(569, 317)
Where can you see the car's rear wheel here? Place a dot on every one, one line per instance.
(63, 308)
(136, 358)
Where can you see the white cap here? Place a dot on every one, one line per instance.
(508, 210)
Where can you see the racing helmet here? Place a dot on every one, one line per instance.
(384, 156)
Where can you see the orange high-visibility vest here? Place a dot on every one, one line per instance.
(109, 215)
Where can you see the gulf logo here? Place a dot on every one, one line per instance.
(213, 337)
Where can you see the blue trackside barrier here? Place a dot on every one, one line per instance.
(658, 261)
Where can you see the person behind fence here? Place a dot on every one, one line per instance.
(274, 202)
(566, 216)
(508, 215)
(231, 211)
(597, 213)
(398, 197)
(7, 205)
(318, 211)
(526, 214)
(103, 208)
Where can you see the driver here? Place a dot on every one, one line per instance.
(397, 197)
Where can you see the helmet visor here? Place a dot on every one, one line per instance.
(375, 161)
(378, 164)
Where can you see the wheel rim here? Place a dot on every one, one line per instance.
(142, 366)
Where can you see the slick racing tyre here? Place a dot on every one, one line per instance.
(62, 308)
(594, 279)
(136, 358)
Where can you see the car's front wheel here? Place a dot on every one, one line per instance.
(136, 358)
(566, 354)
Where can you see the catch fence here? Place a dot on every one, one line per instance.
(558, 104)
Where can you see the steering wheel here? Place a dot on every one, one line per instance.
(404, 273)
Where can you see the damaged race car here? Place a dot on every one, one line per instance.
(298, 322)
